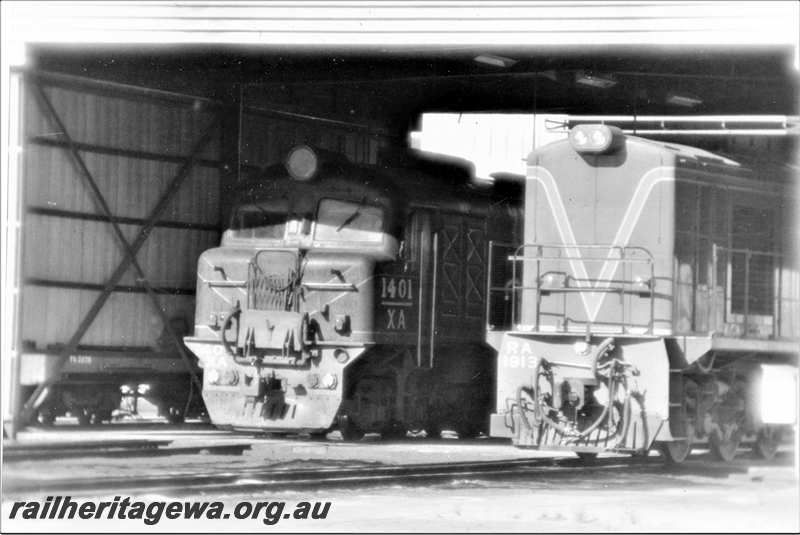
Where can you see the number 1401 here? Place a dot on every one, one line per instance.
(392, 288)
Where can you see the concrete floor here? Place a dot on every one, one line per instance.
(756, 496)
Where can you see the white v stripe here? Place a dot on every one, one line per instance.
(592, 301)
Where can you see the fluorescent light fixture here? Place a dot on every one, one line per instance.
(594, 80)
(687, 101)
(495, 61)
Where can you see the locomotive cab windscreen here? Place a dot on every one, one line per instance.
(318, 219)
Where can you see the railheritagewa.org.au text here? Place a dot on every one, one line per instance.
(153, 512)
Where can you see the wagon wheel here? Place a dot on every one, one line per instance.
(84, 417)
(433, 429)
(174, 414)
(766, 444)
(676, 451)
(724, 442)
(46, 416)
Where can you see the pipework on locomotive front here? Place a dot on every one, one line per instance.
(284, 303)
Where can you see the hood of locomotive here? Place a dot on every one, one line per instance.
(601, 234)
(275, 329)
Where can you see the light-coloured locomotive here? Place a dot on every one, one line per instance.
(654, 302)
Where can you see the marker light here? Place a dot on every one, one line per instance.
(313, 380)
(341, 356)
(595, 138)
(581, 348)
(302, 163)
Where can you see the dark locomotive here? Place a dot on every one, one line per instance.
(352, 297)
(654, 302)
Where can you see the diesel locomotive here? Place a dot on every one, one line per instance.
(353, 297)
(654, 302)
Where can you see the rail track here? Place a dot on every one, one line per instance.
(112, 448)
(272, 478)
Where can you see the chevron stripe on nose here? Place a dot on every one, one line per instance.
(592, 301)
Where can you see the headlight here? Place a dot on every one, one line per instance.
(302, 163)
(329, 381)
(595, 138)
(212, 376)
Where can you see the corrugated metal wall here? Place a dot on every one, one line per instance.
(68, 253)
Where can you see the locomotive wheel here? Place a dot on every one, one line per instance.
(393, 430)
(349, 429)
(467, 430)
(104, 415)
(676, 452)
(724, 443)
(766, 444)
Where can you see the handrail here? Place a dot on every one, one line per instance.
(330, 286)
(226, 284)
(570, 284)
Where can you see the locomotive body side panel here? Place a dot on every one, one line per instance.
(730, 257)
